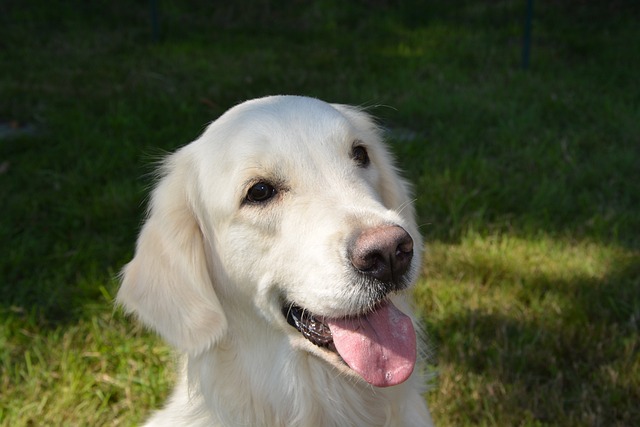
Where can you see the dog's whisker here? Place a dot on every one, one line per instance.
(406, 204)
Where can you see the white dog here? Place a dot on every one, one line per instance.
(276, 256)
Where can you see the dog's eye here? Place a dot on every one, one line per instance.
(260, 192)
(360, 156)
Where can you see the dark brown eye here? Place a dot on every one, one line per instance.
(360, 156)
(260, 192)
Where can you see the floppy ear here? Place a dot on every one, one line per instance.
(168, 284)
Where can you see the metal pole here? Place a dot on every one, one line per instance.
(155, 25)
(526, 39)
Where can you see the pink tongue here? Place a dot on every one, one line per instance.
(380, 347)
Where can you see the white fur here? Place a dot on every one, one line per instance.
(210, 271)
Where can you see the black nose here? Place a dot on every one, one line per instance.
(383, 253)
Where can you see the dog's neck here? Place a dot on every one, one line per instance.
(286, 387)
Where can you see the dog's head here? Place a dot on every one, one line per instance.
(288, 210)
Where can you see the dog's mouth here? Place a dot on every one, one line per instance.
(308, 325)
(379, 346)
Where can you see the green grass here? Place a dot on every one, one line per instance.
(537, 329)
(527, 183)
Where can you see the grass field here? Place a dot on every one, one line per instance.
(527, 184)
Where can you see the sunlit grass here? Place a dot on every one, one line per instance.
(93, 372)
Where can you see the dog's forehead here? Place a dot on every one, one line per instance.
(290, 122)
(281, 129)
(294, 141)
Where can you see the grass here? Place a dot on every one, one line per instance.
(527, 182)
(539, 331)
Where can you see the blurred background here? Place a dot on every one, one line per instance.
(525, 156)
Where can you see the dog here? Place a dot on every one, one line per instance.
(276, 256)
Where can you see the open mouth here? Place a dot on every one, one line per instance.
(379, 346)
(308, 325)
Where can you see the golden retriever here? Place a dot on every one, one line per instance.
(276, 255)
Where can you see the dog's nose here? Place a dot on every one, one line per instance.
(383, 253)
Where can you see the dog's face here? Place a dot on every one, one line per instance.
(289, 211)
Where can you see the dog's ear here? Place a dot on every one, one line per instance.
(168, 284)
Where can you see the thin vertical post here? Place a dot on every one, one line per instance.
(526, 39)
(155, 24)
